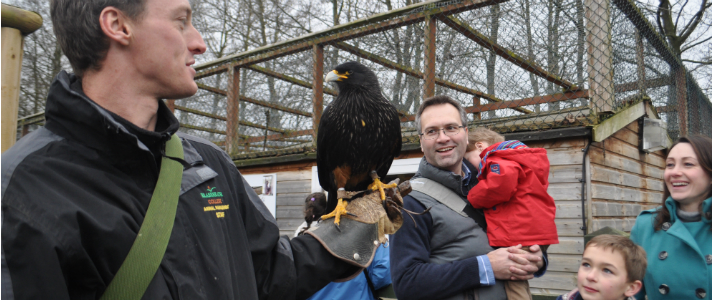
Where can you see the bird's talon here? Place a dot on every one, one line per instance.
(339, 211)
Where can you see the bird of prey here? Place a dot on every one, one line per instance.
(359, 135)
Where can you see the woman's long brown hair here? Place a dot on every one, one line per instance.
(702, 146)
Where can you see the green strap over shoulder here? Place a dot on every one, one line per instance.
(144, 258)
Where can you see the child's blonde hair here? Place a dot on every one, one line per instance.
(633, 255)
(481, 134)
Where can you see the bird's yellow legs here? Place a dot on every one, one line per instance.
(340, 209)
(379, 186)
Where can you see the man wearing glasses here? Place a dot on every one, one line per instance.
(444, 253)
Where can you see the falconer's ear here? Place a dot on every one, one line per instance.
(115, 25)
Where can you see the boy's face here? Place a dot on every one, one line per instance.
(474, 156)
(603, 276)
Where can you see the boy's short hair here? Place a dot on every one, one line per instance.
(481, 134)
(633, 255)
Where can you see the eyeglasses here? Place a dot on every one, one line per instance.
(450, 130)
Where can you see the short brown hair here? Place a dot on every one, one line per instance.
(436, 100)
(633, 255)
(79, 34)
(481, 134)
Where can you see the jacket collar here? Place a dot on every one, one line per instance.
(706, 210)
(71, 114)
(448, 179)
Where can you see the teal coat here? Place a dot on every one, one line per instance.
(679, 259)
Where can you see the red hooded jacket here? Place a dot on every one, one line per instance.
(512, 191)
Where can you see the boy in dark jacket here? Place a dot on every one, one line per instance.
(512, 191)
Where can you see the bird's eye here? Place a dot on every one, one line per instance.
(349, 72)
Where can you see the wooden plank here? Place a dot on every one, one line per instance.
(609, 209)
(565, 191)
(624, 224)
(568, 209)
(528, 101)
(613, 176)
(600, 55)
(634, 85)
(564, 263)
(565, 156)
(12, 41)
(568, 245)
(293, 80)
(628, 150)
(372, 24)
(618, 121)
(576, 143)
(565, 173)
(279, 136)
(429, 49)
(615, 160)
(318, 88)
(256, 102)
(617, 193)
(627, 135)
(291, 199)
(289, 187)
(290, 212)
(554, 280)
(304, 175)
(569, 227)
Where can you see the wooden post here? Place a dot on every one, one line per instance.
(475, 103)
(600, 55)
(11, 66)
(16, 22)
(429, 59)
(171, 103)
(681, 95)
(640, 60)
(317, 89)
(25, 130)
(233, 110)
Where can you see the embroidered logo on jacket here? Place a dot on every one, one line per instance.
(494, 168)
(216, 203)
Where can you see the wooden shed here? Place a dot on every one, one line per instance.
(599, 177)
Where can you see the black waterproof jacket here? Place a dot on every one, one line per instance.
(74, 195)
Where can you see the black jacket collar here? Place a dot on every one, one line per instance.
(71, 114)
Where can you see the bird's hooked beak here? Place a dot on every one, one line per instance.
(335, 76)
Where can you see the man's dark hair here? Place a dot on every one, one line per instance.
(435, 100)
(76, 25)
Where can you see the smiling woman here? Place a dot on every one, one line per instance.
(678, 235)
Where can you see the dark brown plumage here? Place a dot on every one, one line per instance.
(358, 132)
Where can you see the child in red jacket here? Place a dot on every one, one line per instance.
(512, 192)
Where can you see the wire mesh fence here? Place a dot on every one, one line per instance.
(514, 65)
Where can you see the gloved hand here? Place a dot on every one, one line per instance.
(355, 240)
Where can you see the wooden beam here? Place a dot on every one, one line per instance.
(681, 95)
(23, 20)
(256, 102)
(274, 137)
(648, 84)
(519, 102)
(409, 71)
(12, 41)
(600, 55)
(290, 79)
(31, 119)
(505, 53)
(396, 18)
(233, 110)
(200, 128)
(242, 122)
(571, 95)
(318, 88)
(429, 49)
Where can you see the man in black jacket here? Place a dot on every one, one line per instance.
(75, 193)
